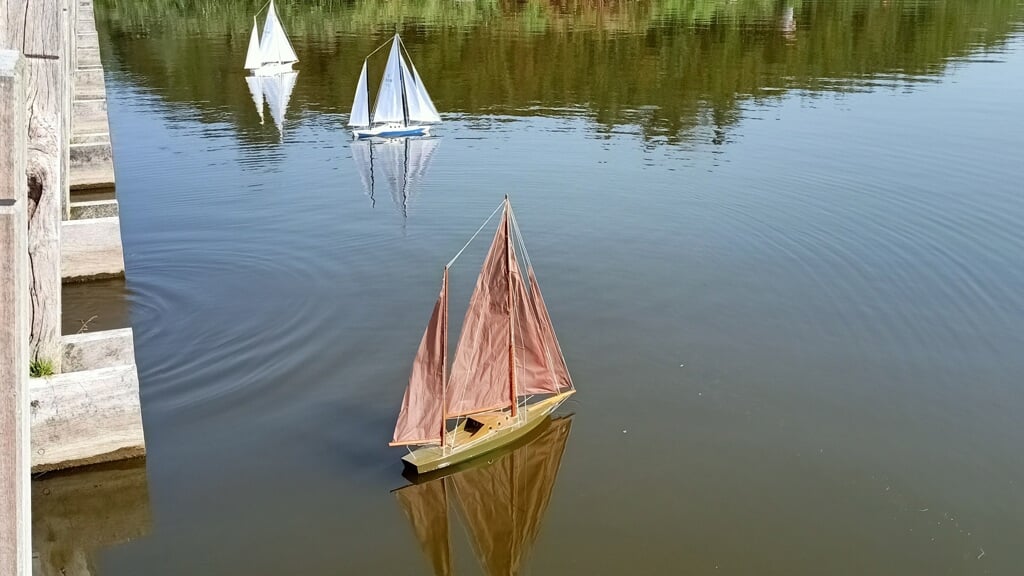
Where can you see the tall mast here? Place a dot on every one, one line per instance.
(401, 77)
(444, 351)
(511, 313)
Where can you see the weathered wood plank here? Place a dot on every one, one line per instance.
(103, 349)
(82, 418)
(40, 30)
(92, 249)
(15, 514)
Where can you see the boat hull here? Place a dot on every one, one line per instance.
(273, 69)
(431, 458)
(386, 131)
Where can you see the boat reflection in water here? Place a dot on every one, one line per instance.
(396, 164)
(500, 499)
(275, 91)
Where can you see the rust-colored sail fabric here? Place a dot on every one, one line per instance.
(420, 420)
(480, 373)
(504, 503)
(535, 368)
(547, 329)
(426, 506)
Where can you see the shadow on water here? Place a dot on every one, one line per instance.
(77, 514)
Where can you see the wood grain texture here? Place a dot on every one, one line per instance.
(15, 514)
(39, 29)
(82, 418)
(104, 349)
(92, 249)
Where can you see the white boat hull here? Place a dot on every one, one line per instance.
(392, 131)
(273, 69)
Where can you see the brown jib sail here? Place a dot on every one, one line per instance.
(420, 421)
(502, 504)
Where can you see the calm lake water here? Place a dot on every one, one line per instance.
(781, 242)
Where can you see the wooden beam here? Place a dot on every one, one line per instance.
(15, 511)
(82, 418)
(39, 29)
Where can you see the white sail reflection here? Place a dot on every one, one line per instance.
(398, 165)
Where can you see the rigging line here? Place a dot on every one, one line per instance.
(261, 9)
(377, 49)
(519, 236)
(452, 261)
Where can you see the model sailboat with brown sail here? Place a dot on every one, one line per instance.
(508, 374)
(501, 504)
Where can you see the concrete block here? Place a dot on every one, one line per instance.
(91, 249)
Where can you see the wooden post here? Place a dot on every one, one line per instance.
(15, 511)
(38, 29)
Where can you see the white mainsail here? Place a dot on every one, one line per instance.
(274, 45)
(389, 107)
(253, 56)
(278, 90)
(256, 89)
(421, 107)
(360, 115)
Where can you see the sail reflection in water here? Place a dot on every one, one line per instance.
(396, 164)
(276, 91)
(501, 503)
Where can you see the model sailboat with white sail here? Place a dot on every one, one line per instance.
(270, 53)
(403, 106)
(508, 375)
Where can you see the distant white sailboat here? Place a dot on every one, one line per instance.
(270, 53)
(403, 106)
(396, 164)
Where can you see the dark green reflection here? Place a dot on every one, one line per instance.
(668, 66)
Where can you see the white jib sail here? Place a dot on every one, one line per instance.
(253, 58)
(417, 97)
(256, 89)
(274, 44)
(389, 98)
(360, 115)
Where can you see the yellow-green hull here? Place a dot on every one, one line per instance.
(487, 439)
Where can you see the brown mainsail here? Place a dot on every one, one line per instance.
(420, 420)
(480, 373)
